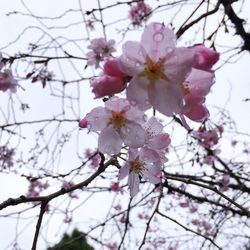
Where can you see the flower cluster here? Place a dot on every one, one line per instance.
(7, 81)
(6, 157)
(156, 74)
(139, 12)
(99, 49)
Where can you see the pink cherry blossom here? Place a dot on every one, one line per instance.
(205, 58)
(225, 182)
(141, 163)
(207, 138)
(195, 88)
(155, 138)
(6, 157)
(118, 123)
(115, 187)
(100, 49)
(139, 12)
(158, 70)
(7, 81)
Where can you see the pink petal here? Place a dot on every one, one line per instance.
(198, 113)
(135, 114)
(133, 58)
(107, 85)
(117, 104)
(159, 142)
(158, 41)
(205, 58)
(97, 119)
(166, 97)
(153, 126)
(109, 141)
(149, 155)
(137, 94)
(152, 173)
(133, 135)
(133, 183)
(179, 65)
(124, 171)
(200, 81)
(111, 67)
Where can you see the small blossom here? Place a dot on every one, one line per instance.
(207, 138)
(100, 49)
(195, 88)
(6, 157)
(139, 12)
(115, 187)
(93, 157)
(143, 163)
(90, 24)
(119, 123)
(7, 81)
(225, 182)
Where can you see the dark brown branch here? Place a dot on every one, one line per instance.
(24, 199)
(238, 23)
(39, 223)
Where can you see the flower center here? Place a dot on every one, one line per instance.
(136, 165)
(118, 120)
(185, 88)
(154, 70)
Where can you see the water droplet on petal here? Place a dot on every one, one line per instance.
(158, 37)
(133, 102)
(158, 27)
(169, 50)
(128, 130)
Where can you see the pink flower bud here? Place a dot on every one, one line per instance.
(83, 123)
(111, 68)
(107, 86)
(205, 57)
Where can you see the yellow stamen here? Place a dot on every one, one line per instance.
(117, 120)
(154, 71)
(136, 165)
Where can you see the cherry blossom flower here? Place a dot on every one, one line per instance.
(205, 58)
(207, 138)
(100, 49)
(7, 81)
(195, 88)
(93, 158)
(139, 12)
(118, 122)
(111, 82)
(225, 182)
(141, 163)
(6, 157)
(158, 70)
(155, 139)
(115, 187)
